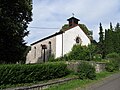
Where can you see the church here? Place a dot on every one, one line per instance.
(59, 43)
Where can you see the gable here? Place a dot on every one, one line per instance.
(69, 38)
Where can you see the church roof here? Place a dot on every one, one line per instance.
(55, 34)
(73, 18)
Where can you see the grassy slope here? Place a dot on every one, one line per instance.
(71, 85)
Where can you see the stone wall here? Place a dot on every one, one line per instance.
(73, 65)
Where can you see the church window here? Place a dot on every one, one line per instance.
(50, 48)
(78, 40)
(34, 52)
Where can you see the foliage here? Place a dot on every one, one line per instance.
(97, 57)
(112, 66)
(85, 29)
(51, 58)
(86, 71)
(16, 74)
(81, 53)
(65, 27)
(112, 39)
(114, 62)
(112, 55)
(109, 41)
(82, 26)
(101, 42)
(15, 16)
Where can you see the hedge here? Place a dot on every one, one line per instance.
(16, 74)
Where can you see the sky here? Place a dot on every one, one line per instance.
(50, 15)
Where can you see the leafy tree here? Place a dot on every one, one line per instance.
(15, 16)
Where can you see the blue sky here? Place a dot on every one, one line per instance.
(54, 14)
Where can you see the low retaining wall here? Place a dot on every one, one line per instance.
(73, 65)
(44, 85)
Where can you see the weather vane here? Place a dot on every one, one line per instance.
(73, 14)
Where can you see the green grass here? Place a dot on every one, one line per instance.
(71, 85)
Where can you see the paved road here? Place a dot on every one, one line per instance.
(110, 83)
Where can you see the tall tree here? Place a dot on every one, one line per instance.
(117, 38)
(112, 39)
(15, 16)
(101, 41)
(109, 41)
(111, 27)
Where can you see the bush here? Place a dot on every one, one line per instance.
(112, 56)
(81, 53)
(114, 62)
(86, 71)
(112, 66)
(51, 58)
(78, 53)
(16, 74)
(97, 57)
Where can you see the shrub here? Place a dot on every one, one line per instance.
(114, 62)
(86, 71)
(14, 74)
(97, 57)
(112, 56)
(51, 58)
(78, 53)
(81, 52)
(112, 66)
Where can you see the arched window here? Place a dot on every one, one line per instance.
(50, 49)
(34, 52)
(78, 40)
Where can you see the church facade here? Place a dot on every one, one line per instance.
(58, 44)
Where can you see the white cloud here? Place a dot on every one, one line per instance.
(53, 13)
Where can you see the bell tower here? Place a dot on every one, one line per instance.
(73, 21)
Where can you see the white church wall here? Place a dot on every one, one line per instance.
(69, 38)
(35, 55)
(58, 46)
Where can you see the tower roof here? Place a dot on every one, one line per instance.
(73, 18)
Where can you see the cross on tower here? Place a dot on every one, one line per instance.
(73, 14)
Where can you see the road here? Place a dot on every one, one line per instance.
(110, 83)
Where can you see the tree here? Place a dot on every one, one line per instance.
(109, 44)
(112, 39)
(101, 41)
(111, 27)
(117, 38)
(15, 16)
